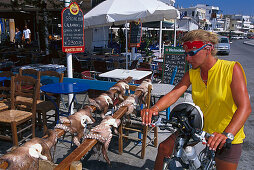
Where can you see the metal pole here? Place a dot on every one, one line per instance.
(126, 45)
(175, 34)
(37, 33)
(160, 41)
(69, 65)
(133, 52)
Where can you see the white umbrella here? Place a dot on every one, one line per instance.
(120, 11)
(123, 11)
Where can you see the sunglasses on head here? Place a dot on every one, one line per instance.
(192, 53)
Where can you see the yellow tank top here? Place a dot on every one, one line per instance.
(215, 99)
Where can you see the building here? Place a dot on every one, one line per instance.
(240, 25)
(211, 16)
(187, 24)
(205, 16)
(194, 15)
(169, 2)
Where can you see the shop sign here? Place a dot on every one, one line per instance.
(135, 34)
(73, 40)
(174, 60)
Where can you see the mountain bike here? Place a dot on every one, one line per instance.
(187, 119)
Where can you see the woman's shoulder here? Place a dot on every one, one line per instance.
(227, 62)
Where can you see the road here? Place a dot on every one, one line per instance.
(244, 54)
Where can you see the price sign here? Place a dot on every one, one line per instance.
(173, 57)
(135, 34)
(73, 29)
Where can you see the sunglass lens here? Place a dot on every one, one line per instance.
(190, 53)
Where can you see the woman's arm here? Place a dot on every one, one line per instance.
(166, 100)
(242, 101)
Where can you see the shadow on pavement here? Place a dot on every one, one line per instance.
(99, 165)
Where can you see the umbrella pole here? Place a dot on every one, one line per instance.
(69, 66)
(160, 39)
(175, 34)
(126, 45)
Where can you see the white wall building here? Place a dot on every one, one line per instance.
(211, 15)
(187, 24)
(240, 23)
(194, 15)
(169, 2)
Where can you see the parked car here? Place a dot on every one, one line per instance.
(224, 45)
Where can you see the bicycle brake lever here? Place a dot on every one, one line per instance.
(158, 122)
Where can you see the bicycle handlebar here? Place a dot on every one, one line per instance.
(199, 135)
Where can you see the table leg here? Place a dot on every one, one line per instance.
(57, 108)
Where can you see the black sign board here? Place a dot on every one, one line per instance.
(135, 34)
(174, 59)
(73, 29)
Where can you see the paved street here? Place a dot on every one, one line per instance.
(244, 54)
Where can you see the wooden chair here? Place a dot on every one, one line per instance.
(137, 126)
(134, 64)
(44, 106)
(21, 116)
(5, 89)
(89, 75)
(32, 73)
(100, 66)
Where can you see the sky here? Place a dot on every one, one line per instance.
(244, 7)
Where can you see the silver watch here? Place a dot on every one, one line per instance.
(229, 135)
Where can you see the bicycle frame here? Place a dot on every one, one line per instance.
(179, 158)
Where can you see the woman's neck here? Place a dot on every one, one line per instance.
(210, 62)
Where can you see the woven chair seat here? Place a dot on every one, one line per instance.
(45, 106)
(4, 104)
(25, 99)
(42, 106)
(9, 116)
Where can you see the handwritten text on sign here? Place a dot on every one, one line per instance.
(173, 57)
(73, 29)
(135, 34)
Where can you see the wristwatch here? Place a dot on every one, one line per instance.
(229, 135)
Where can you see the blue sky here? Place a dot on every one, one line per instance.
(245, 7)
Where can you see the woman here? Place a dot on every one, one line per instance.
(219, 89)
(17, 38)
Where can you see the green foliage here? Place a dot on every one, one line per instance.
(121, 39)
(147, 42)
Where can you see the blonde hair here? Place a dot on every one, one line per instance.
(202, 35)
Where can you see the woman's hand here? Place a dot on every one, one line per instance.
(147, 114)
(217, 140)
